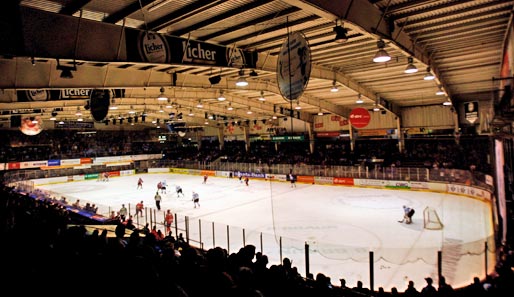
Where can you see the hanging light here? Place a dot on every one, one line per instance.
(429, 75)
(221, 97)
(411, 68)
(249, 111)
(261, 98)
(334, 88)
(229, 107)
(440, 91)
(199, 105)
(359, 99)
(132, 111)
(190, 113)
(320, 112)
(298, 107)
(113, 105)
(78, 113)
(241, 81)
(447, 102)
(381, 56)
(162, 96)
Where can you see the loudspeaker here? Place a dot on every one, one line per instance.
(214, 80)
(99, 103)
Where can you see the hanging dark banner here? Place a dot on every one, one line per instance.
(143, 46)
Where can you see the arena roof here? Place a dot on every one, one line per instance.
(460, 42)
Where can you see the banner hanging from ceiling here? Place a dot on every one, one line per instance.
(150, 47)
(294, 66)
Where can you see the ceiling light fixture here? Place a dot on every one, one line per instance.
(199, 105)
(162, 96)
(78, 113)
(241, 81)
(262, 98)
(440, 91)
(229, 107)
(447, 102)
(298, 107)
(221, 97)
(411, 68)
(429, 75)
(320, 112)
(340, 34)
(334, 88)
(359, 99)
(381, 56)
(113, 105)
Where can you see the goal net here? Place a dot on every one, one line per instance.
(431, 219)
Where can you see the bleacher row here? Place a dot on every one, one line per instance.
(471, 152)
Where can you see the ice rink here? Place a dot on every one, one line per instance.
(342, 226)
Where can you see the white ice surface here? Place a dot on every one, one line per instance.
(340, 224)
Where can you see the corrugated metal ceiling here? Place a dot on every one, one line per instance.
(460, 41)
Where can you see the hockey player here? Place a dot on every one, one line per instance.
(292, 178)
(164, 185)
(408, 212)
(178, 189)
(168, 220)
(139, 208)
(140, 183)
(196, 199)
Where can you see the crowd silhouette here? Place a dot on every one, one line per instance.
(467, 153)
(47, 245)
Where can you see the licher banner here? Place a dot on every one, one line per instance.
(143, 46)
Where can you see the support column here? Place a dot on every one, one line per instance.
(401, 137)
(310, 131)
(246, 131)
(199, 136)
(221, 137)
(352, 140)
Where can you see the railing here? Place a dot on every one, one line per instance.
(308, 255)
(444, 175)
